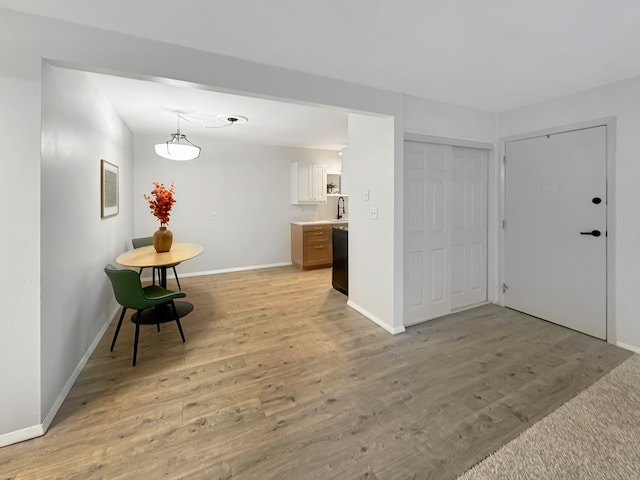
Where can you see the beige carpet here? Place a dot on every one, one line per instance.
(596, 435)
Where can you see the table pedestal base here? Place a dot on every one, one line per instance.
(163, 313)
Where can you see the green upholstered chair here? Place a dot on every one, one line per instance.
(146, 241)
(130, 294)
(143, 242)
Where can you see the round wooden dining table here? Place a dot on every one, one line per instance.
(147, 257)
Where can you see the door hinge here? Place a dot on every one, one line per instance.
(504, 288)
(504, 224)
(504, 159)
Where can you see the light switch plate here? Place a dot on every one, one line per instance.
(373, 213)
(366, 195)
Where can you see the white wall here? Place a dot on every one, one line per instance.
(20, 241)
(619, 100)
(369, 166)
(247, 186)
(79, 128)
(428, 117)
(34, 38)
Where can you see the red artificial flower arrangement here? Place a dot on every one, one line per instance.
(162, 203)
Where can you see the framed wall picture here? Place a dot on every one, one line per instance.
(109, 195)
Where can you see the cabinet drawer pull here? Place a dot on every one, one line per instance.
(319, 246)
(317, 233)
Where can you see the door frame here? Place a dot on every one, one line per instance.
(610, 124)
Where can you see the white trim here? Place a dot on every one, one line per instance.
(456, 142)
(375, 319)
(453, 310)
(235, 269)
(226, 270)
(626, 346)
(411, 323)
(610, 124)
(597, 122)
(21, 435)
(469, 307)
(74, 376)
(39, 430)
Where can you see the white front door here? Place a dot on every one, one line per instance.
(556, 226)
(445, 229)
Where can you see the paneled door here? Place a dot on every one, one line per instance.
(445, 229)
(556, 228)
(468, 227)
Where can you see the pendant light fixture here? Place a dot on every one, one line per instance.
(178, 147)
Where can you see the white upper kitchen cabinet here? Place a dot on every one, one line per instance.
(308, 183)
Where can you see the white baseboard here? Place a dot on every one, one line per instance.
(453, 310)
(628, 347)
(39, 430)
(226, 270)
(21, 435)
(375, 319)
(411, 323)
(469, 307)
(76, 372)
(236, 269)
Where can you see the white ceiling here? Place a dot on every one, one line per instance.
(491, 54)
(152, 108)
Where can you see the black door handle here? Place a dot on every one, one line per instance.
(595, 233)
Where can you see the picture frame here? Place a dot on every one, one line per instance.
(109, 189)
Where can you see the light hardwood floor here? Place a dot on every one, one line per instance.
(279, 379)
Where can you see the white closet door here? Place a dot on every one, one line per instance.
(427, 232)
(468, 227)
(445, 229)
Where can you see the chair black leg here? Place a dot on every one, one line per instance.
(153, 274)
(158, 317)
(177, 281)
(175, 314)
(135, 342)
(115, 335)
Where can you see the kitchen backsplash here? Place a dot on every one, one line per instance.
(329, 210)
(324, 211)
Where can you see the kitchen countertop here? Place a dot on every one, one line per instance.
(320, 222)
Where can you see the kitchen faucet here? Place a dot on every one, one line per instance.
(340, 214)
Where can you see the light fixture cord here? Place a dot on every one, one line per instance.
(231, 122)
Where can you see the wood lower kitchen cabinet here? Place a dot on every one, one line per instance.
(311, 245)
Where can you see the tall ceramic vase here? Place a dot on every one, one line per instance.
(162, 240)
